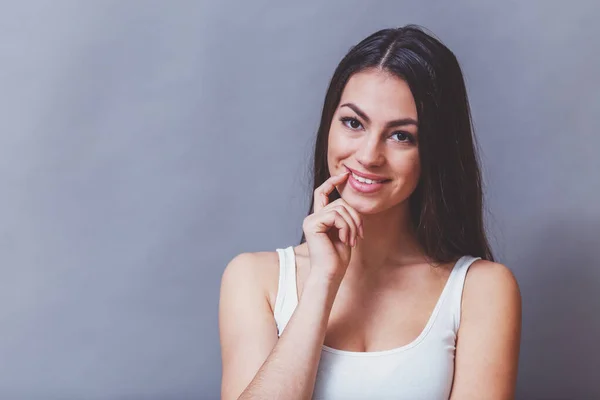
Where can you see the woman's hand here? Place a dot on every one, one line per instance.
(331, 231)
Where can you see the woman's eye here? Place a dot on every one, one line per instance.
(354, 124)
(403, 137)
(351, 123)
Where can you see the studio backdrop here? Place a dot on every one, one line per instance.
(144, 144)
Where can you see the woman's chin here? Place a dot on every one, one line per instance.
(363, 205)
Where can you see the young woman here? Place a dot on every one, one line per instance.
(393, 292)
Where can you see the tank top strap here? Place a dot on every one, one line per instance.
(459, 275)
(287, 293)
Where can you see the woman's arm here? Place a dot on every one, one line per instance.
(256, 364)
(487, 349)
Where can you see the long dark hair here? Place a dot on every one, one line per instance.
(446, 208)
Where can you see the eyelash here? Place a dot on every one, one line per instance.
(350, 119)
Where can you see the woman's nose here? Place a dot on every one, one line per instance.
(370, 153)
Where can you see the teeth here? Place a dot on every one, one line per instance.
(364, 180)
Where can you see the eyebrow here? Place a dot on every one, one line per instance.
(390, 124)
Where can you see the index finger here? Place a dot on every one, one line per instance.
(321, 194)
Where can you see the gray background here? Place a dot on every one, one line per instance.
(143, 144)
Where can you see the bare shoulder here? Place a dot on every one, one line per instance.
(247, 329)
(256, 270)
(491, 287)
(488, 342)
(486, 278)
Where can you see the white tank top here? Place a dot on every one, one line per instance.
(421, 369)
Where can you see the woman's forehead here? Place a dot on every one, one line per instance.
(380, 95)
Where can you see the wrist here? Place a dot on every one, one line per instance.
(319, 284)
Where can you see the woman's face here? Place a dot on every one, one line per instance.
(374, 131)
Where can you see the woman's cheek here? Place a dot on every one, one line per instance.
(340, 146)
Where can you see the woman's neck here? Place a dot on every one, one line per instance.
(389, 241)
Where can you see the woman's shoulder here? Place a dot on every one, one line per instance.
(258, 270)
(490, 327)
(484, 275)
(261, 270)
(489, 283)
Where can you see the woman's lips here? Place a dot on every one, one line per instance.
(365, 187)
(367, 176)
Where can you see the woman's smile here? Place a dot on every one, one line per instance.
(365, 186)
